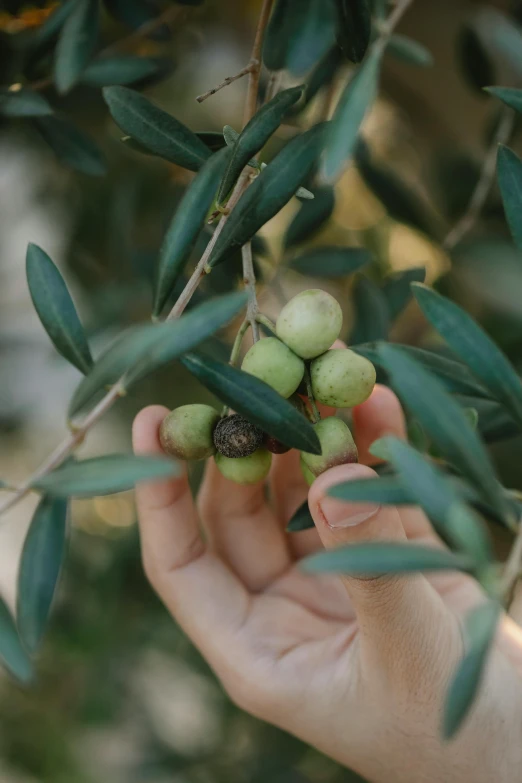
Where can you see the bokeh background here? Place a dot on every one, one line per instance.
(121, 695)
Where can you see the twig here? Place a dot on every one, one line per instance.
(484, 184)
(234, 354)
(255, 62)
(225, 83)
(263, 319)
(249, 280)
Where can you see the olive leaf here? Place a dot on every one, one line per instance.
(53, 24)
(444, 421)
(386, 490)
(77, 43)
(480, 626)
(298, 35)
(322, 76)
(255, 400)
(39, 570)
(186, 225)
(269, 192)
(105, 475)
(378, 558)
(331, 261)
(255, 134)
(354, 27)
(404, 48)
(134, 13)
(437, 496)
(124, 69)
(24, 103)
(144, 348)
(509, 173)
(56, 309)
(511, 96)
(12, 653)
(156, 130)
(71, 145)
(311, 217)
(356, 99)
(301, 520)
(466, 338)
(397, 289)
(372, 320)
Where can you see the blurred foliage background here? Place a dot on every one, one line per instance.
(121, 694)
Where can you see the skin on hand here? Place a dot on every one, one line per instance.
(356, 667)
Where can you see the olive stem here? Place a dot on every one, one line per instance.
(261, 318)
(310, 393)
(234, 355)
(249, 279)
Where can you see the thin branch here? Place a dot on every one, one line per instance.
(255, 62)
(225, 83)
(236, 348)
(389, 24)
(249, 279)
(484, 184)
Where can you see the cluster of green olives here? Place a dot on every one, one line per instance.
(306, 328)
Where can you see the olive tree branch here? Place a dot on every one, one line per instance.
(484, 184)
(225, 83)
(249, 279)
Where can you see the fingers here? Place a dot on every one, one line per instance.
(380, 415)
(242, 529)
(206, 599)
(396, 615)
(289, 490)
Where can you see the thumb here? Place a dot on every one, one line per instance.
(398, 616)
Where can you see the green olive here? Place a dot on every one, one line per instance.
(273, 362)
(186, 432)
(310, 323)
(337, 446)
(245, 470)
(342, 378)
(307, 473)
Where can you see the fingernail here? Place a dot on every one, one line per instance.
(338, 514)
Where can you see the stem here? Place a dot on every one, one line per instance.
(249, 280)
(234, 354)
(261, 318)
(389, 25)
(225, 83)
(310, 394)
(255, 62)
(484, 184)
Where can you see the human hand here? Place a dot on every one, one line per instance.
(356, 667)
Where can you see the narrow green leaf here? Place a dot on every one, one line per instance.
(480, 629)
(301, 520)
(437, 496)
(212, 139)
(354, 27)
(53, 24)
(12, 654)
(379, 558)
(56, 309)
(71, 146)
(311, 217)
(270, 191)
(372, 320)
(331, 261)
(351, 110)
(144, 348)
(298, 35)
(511, 96)
(105, 475)
(186, 225)
(444, 421)
(386, 490)
(255, 134)
(40, 566)
(24, 103)
(409, 51)
(466, 338)
(124, 69)
(155, 129)
(397, 289)
(322, 75)
(77, 43)
(509, 173)
(255, 400)
(133, 13)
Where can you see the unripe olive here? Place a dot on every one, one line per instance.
(310, 323)
(274, 445)
(235, 436)
(186, 432)
(337, 446)
(307, 473)
(245, 470)
(342, 378)
(273, 362)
